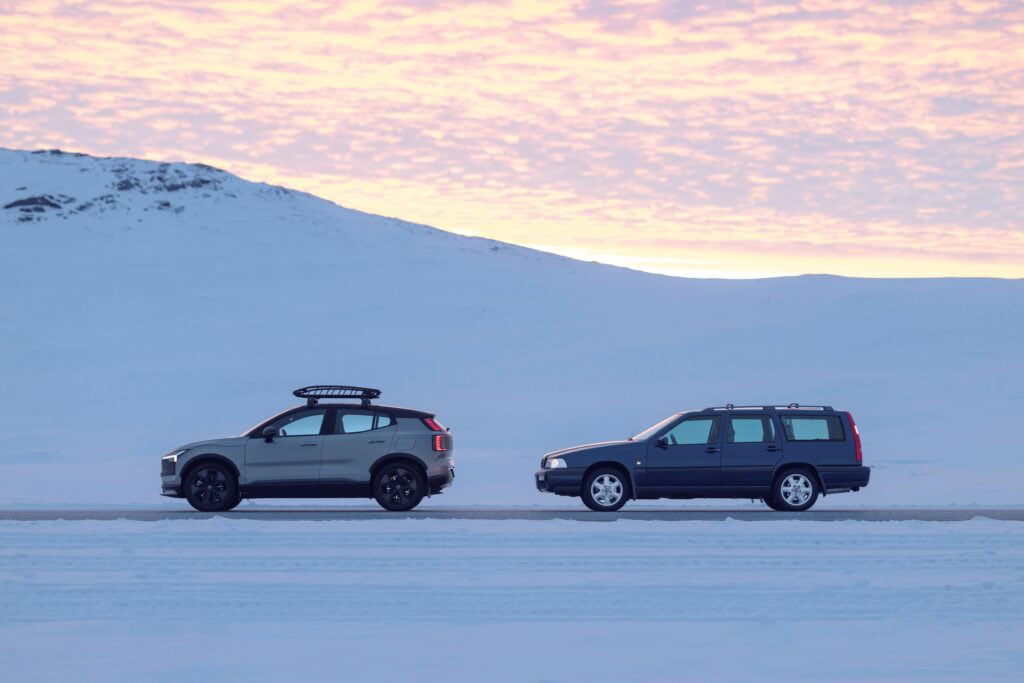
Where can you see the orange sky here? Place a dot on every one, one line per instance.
(724, 138)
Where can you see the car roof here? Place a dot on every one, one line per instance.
(394, 411)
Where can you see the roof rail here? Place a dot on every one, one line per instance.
(797, 406)
(317, 392)
(791, 406)
(730, 406)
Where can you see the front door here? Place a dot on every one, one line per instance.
(752, 448)
(686, 458)
(360, 437)
(289, 464)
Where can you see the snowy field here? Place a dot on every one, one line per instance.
(547, 601)
(148, 305)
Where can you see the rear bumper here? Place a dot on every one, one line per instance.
(844, 477)
(441, 481)
(566, 481)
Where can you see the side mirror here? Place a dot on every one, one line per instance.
(661, 443)
(269, 433)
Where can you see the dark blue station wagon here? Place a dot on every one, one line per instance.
(785, 455)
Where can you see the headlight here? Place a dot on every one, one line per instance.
(173, 455)
(555, 463)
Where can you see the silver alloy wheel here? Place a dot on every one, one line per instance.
(606, 490)
(796, 489)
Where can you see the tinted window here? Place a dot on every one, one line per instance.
(696, 430)
(824, 428)
(752, 429)
(304, 423)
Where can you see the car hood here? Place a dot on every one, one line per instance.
(227, 442)
(587, 447)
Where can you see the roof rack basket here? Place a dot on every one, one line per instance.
(317, 392)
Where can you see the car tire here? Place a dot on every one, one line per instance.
(794, 491)
(399, 486)
(605, 490)
(770, 502)
(211, 487)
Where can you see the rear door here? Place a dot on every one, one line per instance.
(751, 449)
(359, 438)
(289, 465)
(686, 458)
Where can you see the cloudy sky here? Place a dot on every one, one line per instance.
(716, 138)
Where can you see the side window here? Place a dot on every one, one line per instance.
(751, 429)
(824, 428)
(303, 423)
(696, 430)
(353, 423)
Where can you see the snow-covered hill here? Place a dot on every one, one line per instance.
(146, 304)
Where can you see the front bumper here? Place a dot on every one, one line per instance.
(565, 481)
(172, 490)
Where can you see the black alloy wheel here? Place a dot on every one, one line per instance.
(211, 487)
(399, 487)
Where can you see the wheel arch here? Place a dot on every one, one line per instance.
(197, 460)
(613, 465)
(785, 467)
(390, 457)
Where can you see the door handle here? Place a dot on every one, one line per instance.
(379, 441)
(772, 448)
(711, 449)
(309, 444)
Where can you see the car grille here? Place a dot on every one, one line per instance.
(166, 467)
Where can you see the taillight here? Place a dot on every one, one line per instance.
(442, 442)
(856, 437)
(432, 424)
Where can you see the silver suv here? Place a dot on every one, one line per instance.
(318, 450)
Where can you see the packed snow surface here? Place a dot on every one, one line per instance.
(147, 305)
(549, 601)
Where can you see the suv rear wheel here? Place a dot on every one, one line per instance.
(211, 487)
(794, 491)
(399, 486)
(605, 490)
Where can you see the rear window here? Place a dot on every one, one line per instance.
(824, 428)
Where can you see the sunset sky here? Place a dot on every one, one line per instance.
(709, 139)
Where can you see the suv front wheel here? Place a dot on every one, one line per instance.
(794, 491)
(211, 487)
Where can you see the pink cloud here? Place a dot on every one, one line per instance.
(646, 132)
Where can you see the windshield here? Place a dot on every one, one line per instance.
(651, 431)
(249, 431)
